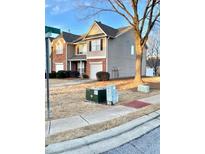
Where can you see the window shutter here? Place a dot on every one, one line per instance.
(101, 44)
(77, 49)
(90, 45)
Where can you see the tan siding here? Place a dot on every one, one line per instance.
(95, 30)
(102, 53)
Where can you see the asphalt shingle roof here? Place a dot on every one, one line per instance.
(110, 31)
(69, 37)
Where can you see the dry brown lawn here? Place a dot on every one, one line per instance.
(70, 100)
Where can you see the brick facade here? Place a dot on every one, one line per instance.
(95, 60)
(58, 58)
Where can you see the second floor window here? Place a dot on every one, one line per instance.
(59, 48)
(96, 45)
(82, 49)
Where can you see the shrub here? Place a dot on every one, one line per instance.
(61, 74)
(52, 74)
(74, 74)
(67, 74)
(103, 76)
(85, 76)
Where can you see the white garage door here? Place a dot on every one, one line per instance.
(59, 67)
(94, 68)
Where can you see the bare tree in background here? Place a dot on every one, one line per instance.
(142, 15)
(153, 54)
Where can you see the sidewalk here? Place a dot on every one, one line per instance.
(109, 139)
(65, 124)
(69, 82)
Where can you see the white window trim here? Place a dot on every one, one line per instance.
(85, 50)
(132, 52)
(96, 45)
(59, 44)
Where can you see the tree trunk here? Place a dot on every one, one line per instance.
(138, 65)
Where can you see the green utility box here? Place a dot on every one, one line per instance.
(97, 95)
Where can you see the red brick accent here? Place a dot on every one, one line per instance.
(95, 60)
(58, 58)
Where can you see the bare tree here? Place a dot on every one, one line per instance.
(142, 15)
(153, 53)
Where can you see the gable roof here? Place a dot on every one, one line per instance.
(112, 32)
(108, 30)
(69, 37)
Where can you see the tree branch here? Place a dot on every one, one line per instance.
(122, 6)
(149, 29)
(120, 13)
(144, 16)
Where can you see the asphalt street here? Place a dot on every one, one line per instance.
(146, 144)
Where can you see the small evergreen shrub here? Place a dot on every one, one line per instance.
(52, 75)
(103, 76)
(61, 74)
(74, 74)
(85, 76)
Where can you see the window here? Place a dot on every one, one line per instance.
(59, 48)
(95, 45)
(82, 49)
(132, 50)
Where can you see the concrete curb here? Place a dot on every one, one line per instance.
(108, 139)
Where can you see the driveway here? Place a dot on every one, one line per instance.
(67, 82)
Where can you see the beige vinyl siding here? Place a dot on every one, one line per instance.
(101, 53)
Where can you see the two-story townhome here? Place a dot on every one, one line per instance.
(103, 48)
(62, 50)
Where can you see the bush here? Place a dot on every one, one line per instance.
(52, 74)
(74, 74)
(85, 76)
(61, 74)
(103, 76)
(67, 74)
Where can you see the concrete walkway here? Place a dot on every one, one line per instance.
(60, 125)
(109, 139)
(65, 124)
(152, 100)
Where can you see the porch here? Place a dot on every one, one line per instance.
(77, 65)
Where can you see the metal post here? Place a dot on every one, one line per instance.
(47, 76)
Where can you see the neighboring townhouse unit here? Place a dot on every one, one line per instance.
(62, 50)
(102, 48)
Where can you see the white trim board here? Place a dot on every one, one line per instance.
(97, 57)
